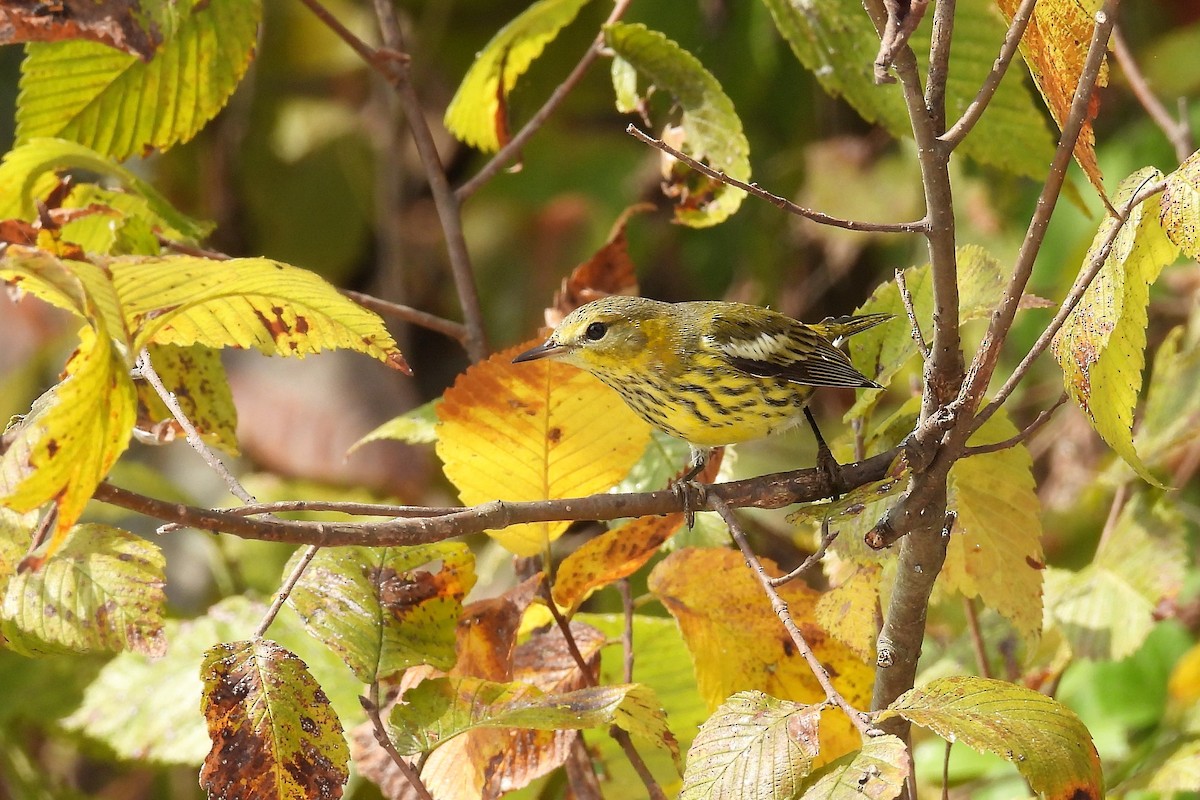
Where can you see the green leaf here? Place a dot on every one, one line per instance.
(121, 106)
(1180, 772)
(244, 302)
(884, 350)
(381, 614)
(16, 530)
(416, 426)
(274, 733)
(1043, 738)
(753, 746)
(836, 40)
(995, 550)
(1107, 609)
(72, 435)
(102, 592)
(1171, 420)
(476, 113)
(438, 709)
(196, 377)
(26, 175)
(877, 772)
(1179, 212)
(1101, 347)
(712, 129)
(121, 223)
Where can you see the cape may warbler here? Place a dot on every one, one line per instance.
(707, 372)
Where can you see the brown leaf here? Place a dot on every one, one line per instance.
(116, 23)
(487, 632)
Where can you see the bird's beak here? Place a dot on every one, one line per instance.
(549, 349)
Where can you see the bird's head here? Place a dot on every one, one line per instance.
(605, 336)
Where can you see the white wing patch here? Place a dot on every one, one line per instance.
(761, 348)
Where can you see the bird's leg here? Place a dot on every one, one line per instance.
(825, 460)
(684, 485)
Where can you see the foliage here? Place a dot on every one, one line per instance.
(981, 570)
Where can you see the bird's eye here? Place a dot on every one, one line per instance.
(596, 331)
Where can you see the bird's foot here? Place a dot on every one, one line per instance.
(692, 496)
(831, 468)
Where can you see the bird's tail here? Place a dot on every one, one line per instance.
(836, 329)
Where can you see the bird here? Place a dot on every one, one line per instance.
(711, 373)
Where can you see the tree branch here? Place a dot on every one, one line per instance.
(1178, 132)
(454, 330)
(1013, 441)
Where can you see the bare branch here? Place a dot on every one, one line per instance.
(827, 537)
(1024, 435)
(1178, 132)
(781, 610)
(285, 590)
(977, 643)
(901, 22)
(774, 199)
(939, 62)
(914, 325)
(1012, 40)
(455, 330)
(410, 772)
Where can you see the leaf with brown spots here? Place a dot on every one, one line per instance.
(738, 643)
(102, 592)
(876, 772)
(1054, 47)
(1180, 211)
(1102, 345)
(608, 271)
(379, 610)
(612, 555)
(273, 731)
(487, 632)
(115, 23)
(753, 746)
(196, 377)
(1044, 739)
(534, 431)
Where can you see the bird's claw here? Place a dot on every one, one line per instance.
(831, 468)
(692, 496)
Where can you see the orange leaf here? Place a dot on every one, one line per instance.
(608, 271)
(611, 556)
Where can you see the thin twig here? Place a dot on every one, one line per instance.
(781, 202)
(827, 537)
(946, 771)
(1114, 514)
(781, 610)
(455, 330)
(1012, 40)
(977, 643)
(364, 50)
(984, 363)
(1013, 441)
(371, 706)
(914, 325)
(513, 147)
(1178, 132)
(285, 590)
(1068, 305)
(627, 630)
(146, 370)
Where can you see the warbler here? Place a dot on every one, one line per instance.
(710, 373)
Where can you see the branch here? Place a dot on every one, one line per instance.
(827, 537)
(1012, 40)
(1178, 132)
(781, 610)
(454, 330)
(939, 61)
(513, 147)
(984, 363)
(1013, 441)
(920, 226)
(286, 590)
(410, 773)
(768, 491)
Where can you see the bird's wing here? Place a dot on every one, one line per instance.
(780, 347)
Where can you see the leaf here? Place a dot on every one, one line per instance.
(850, 611)
(712, 130)
(72, 435)
(378, 612)
(1101, 346)
(15, 533)
(122, 106)
(1171, 419)
(1044, 739)
(612, 555)
(123, 26)
(1180, 772)
(476, 114)
(439, 709)
(196, 377)
(102, 592)
(837, 42)
(737, 642)
(1107, 609)
(876, 772)
(995, 550)
(273, 730)
(534, 431)
(884, 350)
(121, 223)
(487, 632)
(1055, 47)
(1179, 212)
(27, 175)
(244, 302)
(415, 426)
(753, 746)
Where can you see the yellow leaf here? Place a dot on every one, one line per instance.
(612, 555)
(850, 611)
(995, 550)
(75, 431)
(534, 431)
(1180, 214)
(1054, 47)
(1184, 684)
(738, 643)
(197, 379)
(1101, 347)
